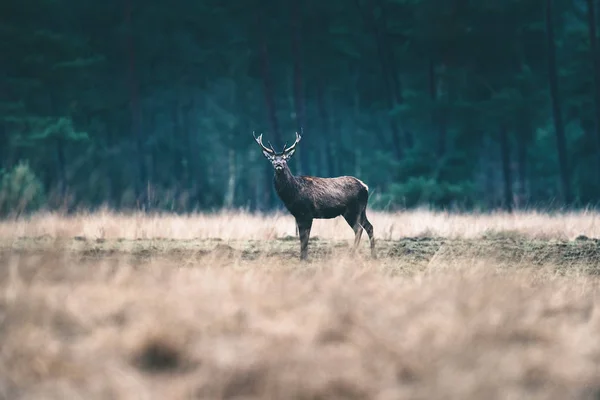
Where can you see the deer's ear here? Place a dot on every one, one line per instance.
(267, 154)
(289, 154)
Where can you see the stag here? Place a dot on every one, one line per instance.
(310, 197)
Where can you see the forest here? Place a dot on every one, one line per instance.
(449, 104)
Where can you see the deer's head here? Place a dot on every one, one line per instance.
(279, 160)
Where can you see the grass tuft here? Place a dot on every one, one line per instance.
(159, 354)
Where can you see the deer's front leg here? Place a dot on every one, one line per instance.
(304, 231)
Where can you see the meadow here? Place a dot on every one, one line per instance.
(219, 306)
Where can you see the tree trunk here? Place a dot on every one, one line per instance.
(438, 121)
(386, 75)
(357, 161)
(191, 179)
(355, 138)
(321, 169)
(388, 50)
(489, 168)
(506, 173)
(61, 170)
(325, 127)
(296, 11)
(268, 84)
(230, 192)
(592, 30)
(176, 138)
(270, 104)
(135, 107)
(561, 142)
(5, 148)
(340, 150)
(267, 197)
(390, 60)
(522, 169)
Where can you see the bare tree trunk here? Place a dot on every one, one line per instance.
(296, 16)
(61, 169)
(325, 127)
(522, 169)
(6, 152)
(355, 130)
(135, 108)
(592, 31)
(193, 179)
(176, 137)
(257, 185)
(561, 142)
(389, 53)
(357, 161)
(5, 148)
(489, 168)
(506, 172)
(387, 75)
(322, 158)
(268, 85)
(296, 160)
(393, 69)
(267, 193)
(340, 150)
(150, 155)
(438, 119)
(230, 191)
(270, 104)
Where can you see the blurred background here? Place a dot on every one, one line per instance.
(451, 104)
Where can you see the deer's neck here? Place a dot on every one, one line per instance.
(286, 184)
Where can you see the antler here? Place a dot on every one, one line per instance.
(259, 141)
(292, 147)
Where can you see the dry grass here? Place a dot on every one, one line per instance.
(485, 309)
(230, 225)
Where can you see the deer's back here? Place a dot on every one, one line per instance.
(330, 197)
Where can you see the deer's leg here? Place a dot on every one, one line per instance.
(304, 231)
(369, 228)
(352, 218)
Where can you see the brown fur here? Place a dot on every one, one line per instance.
(330, 192)
(310, 197)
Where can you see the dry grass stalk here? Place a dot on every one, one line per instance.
(452, 323)
(241, 225)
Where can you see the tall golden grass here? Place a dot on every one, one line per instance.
(244, 225)
(85, 325)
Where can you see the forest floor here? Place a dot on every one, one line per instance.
(93, 308)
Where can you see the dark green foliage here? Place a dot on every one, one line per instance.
(20, 190)
(417, 191)
(439, 103)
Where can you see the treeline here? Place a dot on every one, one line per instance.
(450, 103)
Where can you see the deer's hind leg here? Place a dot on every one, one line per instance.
(352, 217)
(369, 228)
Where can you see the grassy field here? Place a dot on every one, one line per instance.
(110, 306)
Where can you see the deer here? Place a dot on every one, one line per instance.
(310, 197)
